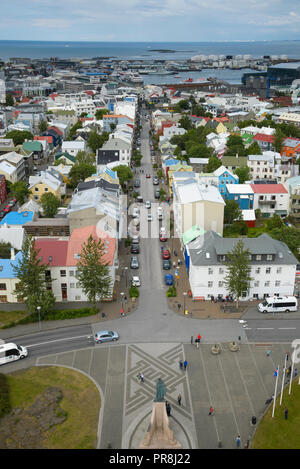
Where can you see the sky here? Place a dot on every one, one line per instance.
(150, 20)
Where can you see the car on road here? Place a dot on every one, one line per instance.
(134, 263)
(169, 279)
(149, 217)
(135, 212)
(135, 249)
(148, 204)
(166, 264)
(135, 239)
(139, 199)
(106, 336)
(135, 281)
(155, 181)
(137, 183)
(165, 254)
(163, 235)
(148, 176)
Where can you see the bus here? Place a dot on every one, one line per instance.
(278, 304)
(11, 352)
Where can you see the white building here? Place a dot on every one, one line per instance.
(271, 199)
(273, 266)
(73, 147)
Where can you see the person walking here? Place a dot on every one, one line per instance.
(192, 340)
(180, 364)
(168, 409)
(211, 411)
(286, 413)
(185, 364)
(179, 306)
(179, 399)
(142, 378)
(238, 441)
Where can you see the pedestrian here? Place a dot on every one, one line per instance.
(180, 364)
(253, 420)
(185, 364)
(192, 340)
(295, 372)
(168, 409)
(125, 299)
(178, 262)
(238, 441)
(179, 399)
(142, 378)
(286, 413)
(179, 306)
(138, 377)
(174, 265)
(199, 338)
(211, 411)
(287, 356)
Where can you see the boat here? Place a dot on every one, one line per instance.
(177, 76)
(133, 77)
(189, 80)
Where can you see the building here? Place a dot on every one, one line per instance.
(8, 280)
(225, 177)
(45, 182)
(265, 142)
(273, 266)
(271, 199)
(242, 194)
(47, 227)
(17, 218)
(73, 147)
(3, 193)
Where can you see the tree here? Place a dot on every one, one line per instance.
(124, 174)
(32, 285)
(50, 204)
(238, 276)
(85, 157)
(254, 149)
(213, 164)
(9, 100)
(19, 136)
(93, 272)
(290, 236)
(279, 137)
(232, 212)
(79, 172)
(95, 141)
(20, 191)
(76, 126)
(243, 174)
(5, 250)
(100, 113)
(43, 126)
(185, 123)
(199, 150)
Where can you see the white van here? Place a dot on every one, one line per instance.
(11, 352)
(136, 212)
(278, 304)
(159, 213)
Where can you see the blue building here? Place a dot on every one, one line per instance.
(225, 177)
(16, 218)
(242, 194)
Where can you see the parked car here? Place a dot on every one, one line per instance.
(166, 264)
(137, 183)
(163, 235)
(155, 181)
(135, 281)
(148, 204)
(135, 239)
(136, 212)
(134, 264)
(106, 336)
(165, 254)
(157, 194)
(139, 199)
(135, 249)
(149, 217)
(169, 279)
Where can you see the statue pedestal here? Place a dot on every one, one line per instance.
(159, 434)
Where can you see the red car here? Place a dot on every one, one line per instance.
(148, 176)
(162, 239)
(7, 209)
(166, 254)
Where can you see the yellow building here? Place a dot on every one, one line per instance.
(47, 181)
(177, 168)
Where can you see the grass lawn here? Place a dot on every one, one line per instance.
(8, 316)
(278, 433)
(81, 401)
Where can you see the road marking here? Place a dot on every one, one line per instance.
(287, 328)
(264, 328)
(58, 340)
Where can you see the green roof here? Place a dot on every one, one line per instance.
(240, 161)
(192, 233)
(32, 146)
(64, 154)
(247, 138)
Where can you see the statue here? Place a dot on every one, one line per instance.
(160, 391)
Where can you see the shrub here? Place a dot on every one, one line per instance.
(5, 407)
(171, 292)
(134, 292)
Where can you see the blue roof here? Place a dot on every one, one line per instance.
(16, 218)
(171, 162)
(6, 269)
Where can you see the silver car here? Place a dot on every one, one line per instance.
(106, 336)
(134, 264)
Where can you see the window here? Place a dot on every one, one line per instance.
(210, 271)
(268, 270)
(63, 273)
(221, 271)
(269, 257)
(210, 284)
(277, 283)
(258, 257)
(257, 270)
(46, 189)
(267, 284)
(256, 283)
(220, 284)
(72, 285)
(77, 285)
(279, 270)
(2, 286)
(77, 298)
(36, 189)
(71, 273)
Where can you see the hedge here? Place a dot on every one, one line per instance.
(55, 315)
(5, 406)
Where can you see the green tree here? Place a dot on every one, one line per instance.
(20, 191)
(43, 126)
(254, 149)
(76, 126)
(9, 100)
(85, 157)
(238, 278)
(243, 174)
(93, 272)
(213, 164)
(199, 150)
(5, 250)
(94, 141)
(100, 113)
(19, 136)
(79, 172)
(32, 285)
(50, 204)
(124, 174)
(290, 236)
(185, 123)
(232, 212)
(279, 137)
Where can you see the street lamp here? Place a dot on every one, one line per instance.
(126, 270)
(39, 313)
(122, 296)
(184, 295)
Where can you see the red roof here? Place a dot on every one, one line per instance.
(268, 189)
(52, 251)
(89, 92)
(264, 138)
(53, 95)
(48, 138)
(57, 130)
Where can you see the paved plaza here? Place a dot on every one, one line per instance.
(236, 384)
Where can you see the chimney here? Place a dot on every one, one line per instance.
(12, 254)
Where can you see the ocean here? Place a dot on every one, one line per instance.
(144, 50)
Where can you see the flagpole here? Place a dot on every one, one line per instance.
(283, 377)
(275, 391)
(291, 377)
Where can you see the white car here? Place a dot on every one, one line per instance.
(149, 217)
(135, 282)
(148, 204)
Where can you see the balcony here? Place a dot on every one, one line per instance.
(266, 201)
